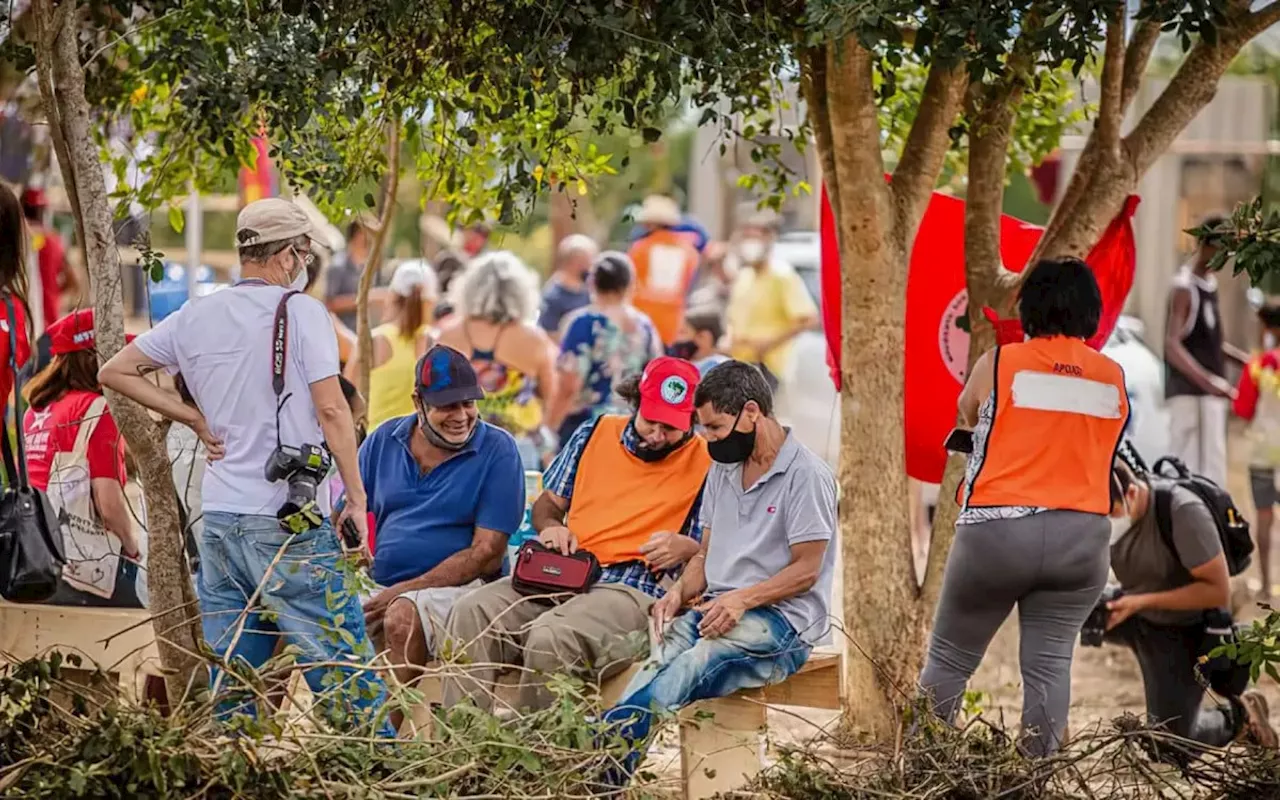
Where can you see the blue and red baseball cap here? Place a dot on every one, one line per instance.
(666, 392)
(445, 377)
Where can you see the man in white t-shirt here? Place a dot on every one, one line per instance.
(250, 547)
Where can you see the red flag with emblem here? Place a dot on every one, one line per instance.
(937, 322)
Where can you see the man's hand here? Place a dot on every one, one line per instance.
(665, 610)
(559, 538)
(376, 609)
(721, 615)
(667, 550)
(1221, 387)
(355, 510)
(214, 448)
(1123, 607)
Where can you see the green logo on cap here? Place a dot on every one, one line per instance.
(674, 389)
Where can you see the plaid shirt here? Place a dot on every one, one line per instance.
(559, 478)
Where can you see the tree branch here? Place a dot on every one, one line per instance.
(1190, 90)
(364, 334)
(927, 143)
(855, 138)
(1136, 57)
(1262, 19)
(813, 83)
(1111, 106)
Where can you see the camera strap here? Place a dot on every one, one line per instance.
(280, 354)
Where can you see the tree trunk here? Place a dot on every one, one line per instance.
(364, 333)
(879, 584)
(876, 225)
(173, 601)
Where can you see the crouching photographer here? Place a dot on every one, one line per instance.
(261, 363)
(1167, 550)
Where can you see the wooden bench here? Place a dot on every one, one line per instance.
(721, 740)
(119, 640)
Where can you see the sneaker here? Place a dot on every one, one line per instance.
(1257, 728)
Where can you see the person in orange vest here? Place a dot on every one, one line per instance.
(1047, 416)
(665, 260)
(628, 490)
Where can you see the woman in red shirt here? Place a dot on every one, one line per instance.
(13, 279)
(82, 470)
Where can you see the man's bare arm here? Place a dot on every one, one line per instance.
(1175, 352)
(129, 373)
(549, 511)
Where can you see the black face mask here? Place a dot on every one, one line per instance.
(734, 448)
(685, 349)
(438, 439)
(652, 454)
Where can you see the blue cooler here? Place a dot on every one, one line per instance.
(170, 292)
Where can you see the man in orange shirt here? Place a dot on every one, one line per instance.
(600, 497)
(666, 260)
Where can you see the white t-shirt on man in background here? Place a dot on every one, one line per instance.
(222, 346)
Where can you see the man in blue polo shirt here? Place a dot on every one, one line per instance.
(446, 490)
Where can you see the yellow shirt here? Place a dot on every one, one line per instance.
(391, 384)
(763, 305)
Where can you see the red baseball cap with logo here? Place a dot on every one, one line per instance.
(666, 392)
(74, 333)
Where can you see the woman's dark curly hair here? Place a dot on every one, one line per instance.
(1060, 298)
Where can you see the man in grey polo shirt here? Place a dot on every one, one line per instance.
(759, 591)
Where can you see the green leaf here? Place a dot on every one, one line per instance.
(651, 135)
(176, 219)
(368, 200)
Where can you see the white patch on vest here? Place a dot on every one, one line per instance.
(1043, 391)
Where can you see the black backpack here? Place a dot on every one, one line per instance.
(1233, 528)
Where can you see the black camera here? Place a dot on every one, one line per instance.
(303, 467)
(1095, 627)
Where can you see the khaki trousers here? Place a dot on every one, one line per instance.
(592, 636)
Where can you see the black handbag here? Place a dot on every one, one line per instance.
(31, 551)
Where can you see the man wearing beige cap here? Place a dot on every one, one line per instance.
(665, 259)
(261, 362)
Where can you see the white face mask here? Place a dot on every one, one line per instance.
(1268, 341)
(299, 282)
(751, 251)
(1119, 527)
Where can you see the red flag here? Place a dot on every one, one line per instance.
(937, 335)
(257, 180)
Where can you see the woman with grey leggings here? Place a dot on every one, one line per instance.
(1047, 415)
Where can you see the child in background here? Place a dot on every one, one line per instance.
(699, 335)
(1258, 400)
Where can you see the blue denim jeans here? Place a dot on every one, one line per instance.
(763, 648)
(305, 599)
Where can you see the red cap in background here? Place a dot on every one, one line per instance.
(74, 333)
(666, 392)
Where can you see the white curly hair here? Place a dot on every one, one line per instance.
(498, 287)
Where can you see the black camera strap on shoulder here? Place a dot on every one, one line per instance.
(280, 354)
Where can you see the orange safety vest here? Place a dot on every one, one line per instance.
(620, 501)
(1060, 410)
(665, 261)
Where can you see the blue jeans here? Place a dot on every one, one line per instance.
(763, 648)
(305, 599)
